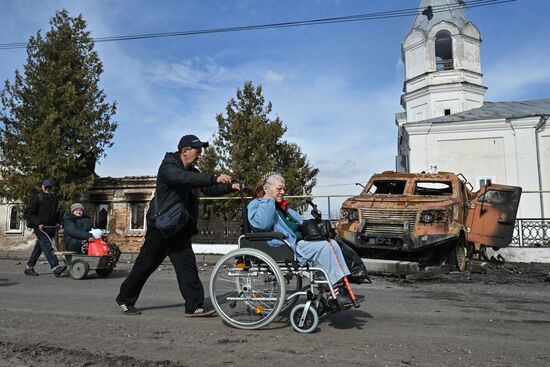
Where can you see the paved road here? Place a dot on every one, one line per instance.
(456, 320)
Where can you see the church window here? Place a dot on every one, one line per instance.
(485, 180)
(443, 51)
(447, 111)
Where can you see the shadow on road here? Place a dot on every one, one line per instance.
(176, 305)
(6, 282)
(351, 319)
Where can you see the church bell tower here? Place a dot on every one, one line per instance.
(441, 54)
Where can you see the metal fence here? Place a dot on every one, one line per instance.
(218, 231)
(528, 232)
(531, 232)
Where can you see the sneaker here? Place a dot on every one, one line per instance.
(200, 312)
(30, 271)
(59, 270)
(127, 309)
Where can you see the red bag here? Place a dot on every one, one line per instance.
(98, 247)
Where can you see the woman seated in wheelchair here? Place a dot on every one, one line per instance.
(269, 212)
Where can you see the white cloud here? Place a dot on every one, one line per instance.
(197, 73)
(516, 76)
(274, 77)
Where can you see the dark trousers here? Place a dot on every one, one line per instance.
(152, 254)
(43, 245)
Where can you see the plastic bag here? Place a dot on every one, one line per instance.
(356, 266)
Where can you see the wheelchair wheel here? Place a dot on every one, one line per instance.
(302, 320)
(247, 288)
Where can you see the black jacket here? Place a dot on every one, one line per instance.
(42, 210)
(176, 183)
(75, 230)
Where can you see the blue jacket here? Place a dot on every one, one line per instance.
(263, 217)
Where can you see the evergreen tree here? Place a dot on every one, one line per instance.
(55, 121)
(249, 144)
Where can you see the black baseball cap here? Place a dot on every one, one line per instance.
(48, 182)
(191, 141)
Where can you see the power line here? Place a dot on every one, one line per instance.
(342, 19)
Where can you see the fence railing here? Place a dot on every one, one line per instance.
(528, 232)
(531, 232)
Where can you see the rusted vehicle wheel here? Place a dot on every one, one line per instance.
(458, 259)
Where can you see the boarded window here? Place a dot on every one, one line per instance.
(101, 216)
(391, 187)
(433, 188)
(15, 219)
(137, 216)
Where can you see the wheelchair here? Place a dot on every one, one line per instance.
(252, 285)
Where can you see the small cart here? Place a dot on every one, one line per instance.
(80, 264)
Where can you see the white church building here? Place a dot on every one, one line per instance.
(448, 126)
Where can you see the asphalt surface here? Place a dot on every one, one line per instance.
(501, 318)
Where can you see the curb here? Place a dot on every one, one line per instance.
(202, 259)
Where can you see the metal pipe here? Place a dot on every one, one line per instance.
(539, 126)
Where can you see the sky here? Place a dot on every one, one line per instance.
(336, 87)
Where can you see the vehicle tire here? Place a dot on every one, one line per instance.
(247, 288)
(310, 321)
(104, 272)
(79, 269)
(458, 257)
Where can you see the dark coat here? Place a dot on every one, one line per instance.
(43, 209)
(176, 183)
(75, 230)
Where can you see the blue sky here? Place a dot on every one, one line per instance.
(336, 87)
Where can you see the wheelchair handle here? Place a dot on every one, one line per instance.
(315, 213)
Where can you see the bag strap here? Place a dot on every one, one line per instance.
(159, 210)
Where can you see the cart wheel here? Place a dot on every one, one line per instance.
(304, 321)
(104, 272)
(79, 269)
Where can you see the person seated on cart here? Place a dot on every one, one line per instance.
(269, 212)
(77, 228)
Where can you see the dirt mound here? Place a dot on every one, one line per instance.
(18, 355)
(515, 273)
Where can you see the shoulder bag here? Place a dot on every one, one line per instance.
(172, 220)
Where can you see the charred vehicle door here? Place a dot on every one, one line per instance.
(492, 215)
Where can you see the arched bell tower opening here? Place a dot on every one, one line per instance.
(444, 51)
(441, 55)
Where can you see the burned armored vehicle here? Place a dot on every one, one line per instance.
(428, 217)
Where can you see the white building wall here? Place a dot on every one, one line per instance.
(500, 150)
(414, 54)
